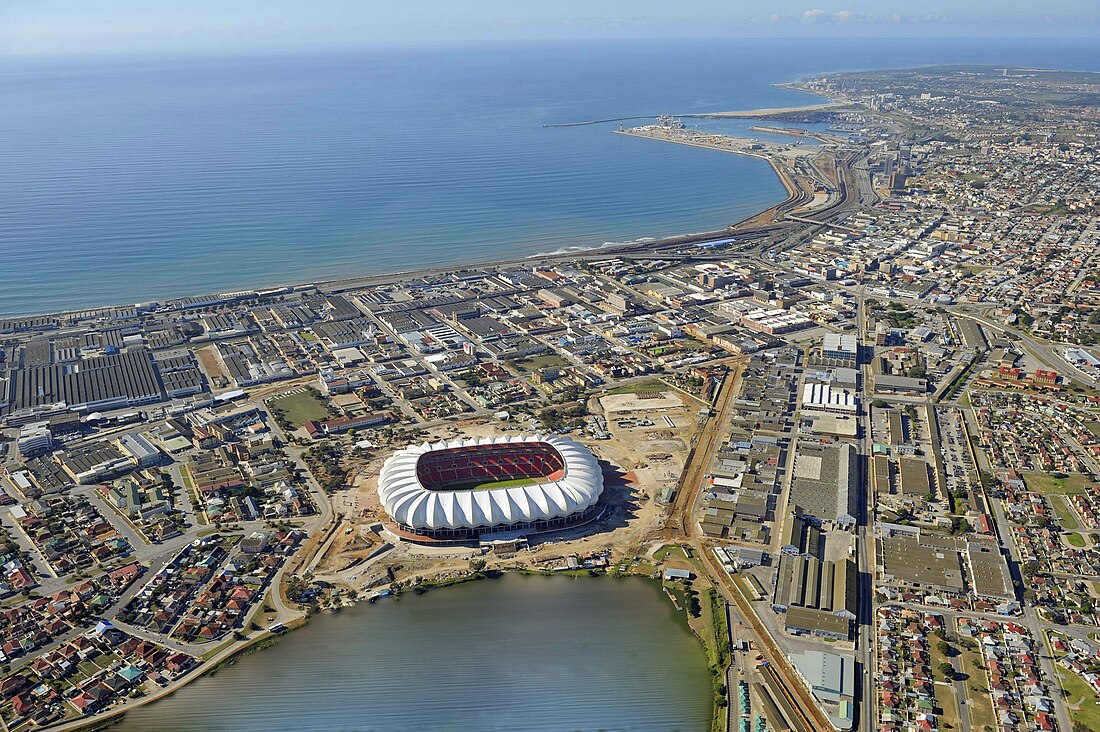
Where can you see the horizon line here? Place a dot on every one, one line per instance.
(456, 43)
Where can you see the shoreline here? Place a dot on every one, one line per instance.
(719, 693)
(267, 639)
(794, 193)
(641, 243)
(207, 668)
(769, 111)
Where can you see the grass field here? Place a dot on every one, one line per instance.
(670, 551)
(1064, 513)
(1075, 539)
(1046, 483)
(945, 693)
(491, 484)
(300, 407)
(1084, 707)
(716, 604)
(980, 703)
(534, 363)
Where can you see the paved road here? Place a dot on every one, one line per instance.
(865, 560)
(684, 527)
(1034, 624)
(41, 566)
(122, 526)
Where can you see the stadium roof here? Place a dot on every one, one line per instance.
(411, 503)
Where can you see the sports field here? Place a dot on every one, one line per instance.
(300, 407)
(490, 484)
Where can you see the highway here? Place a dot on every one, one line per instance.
(866, 651)
(1045, 352)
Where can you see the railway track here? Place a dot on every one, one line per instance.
(808, 713)
(808, 716)
(698, 460)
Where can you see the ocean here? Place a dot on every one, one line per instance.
(137, 178)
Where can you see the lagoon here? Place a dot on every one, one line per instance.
(517, 653)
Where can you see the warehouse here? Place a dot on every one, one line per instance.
(824, 398)
(138, 447)
(889, 383)
(832, 679)
(104, 382)
(914, 478)
(922, 563)
(809, 582)
(819, 623)
(989, 575)
(826, 482)
(93, 462)
(840, 349)
(972, 334)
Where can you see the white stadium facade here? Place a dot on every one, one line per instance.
(463, 490)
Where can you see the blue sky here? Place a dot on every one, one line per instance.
(45, 27)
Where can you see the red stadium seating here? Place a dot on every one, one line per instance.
(443, 469)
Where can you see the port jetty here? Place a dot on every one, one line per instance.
(737, 114)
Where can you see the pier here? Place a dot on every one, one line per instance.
(739, 114)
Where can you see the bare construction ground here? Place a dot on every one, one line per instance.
(211, 364)
(650, 435)
(643, 404)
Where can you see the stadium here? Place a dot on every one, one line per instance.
(463, 490)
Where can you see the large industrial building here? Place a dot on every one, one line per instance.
(826, 482)
(831, 677)
(840, 349)
(464, 490)
(819, 597)
(103, 382)
(824, 398)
